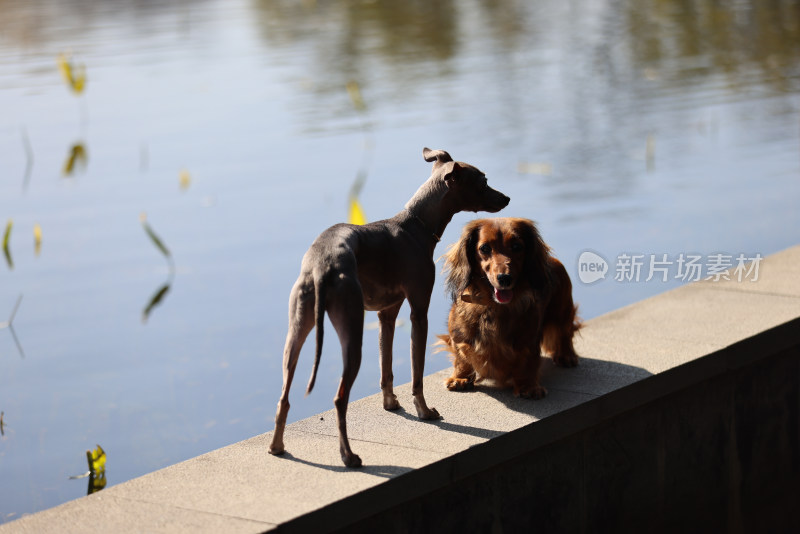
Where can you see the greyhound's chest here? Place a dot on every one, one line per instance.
(388, 284)
(391, 266)
(381, 284)
(377, 297)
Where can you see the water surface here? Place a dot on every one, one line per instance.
(621, 127)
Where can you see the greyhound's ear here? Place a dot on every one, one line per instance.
(450, 172)
(440, 156)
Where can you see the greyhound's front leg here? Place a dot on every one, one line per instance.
(419, 334)
(387, 320)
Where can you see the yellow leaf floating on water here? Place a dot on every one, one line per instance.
(97, 469)
(97, 460)
(153, 237)
(185, 179)
(6, 239)
(74, 75)
(96, 483)
(356, 213)
(155, 300)
(355, 95)
(65, 68)
(77, 156)
(37, 238)
(7, 234)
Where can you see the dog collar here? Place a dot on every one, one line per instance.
(436, 237)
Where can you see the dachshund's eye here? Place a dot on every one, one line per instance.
(485, 249)
(516, 247)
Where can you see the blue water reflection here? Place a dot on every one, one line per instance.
(621, 127)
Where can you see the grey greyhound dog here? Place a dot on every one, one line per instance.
(351, 268)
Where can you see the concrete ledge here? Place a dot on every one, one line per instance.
(684, 414)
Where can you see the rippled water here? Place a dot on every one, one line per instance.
(647, 127)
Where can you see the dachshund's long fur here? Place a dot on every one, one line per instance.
(511, 298)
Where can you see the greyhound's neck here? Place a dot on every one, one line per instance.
(429, 206)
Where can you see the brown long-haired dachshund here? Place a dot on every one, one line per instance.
(511, 298)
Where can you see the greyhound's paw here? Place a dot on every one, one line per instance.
(459, 384)
(352, 460)
(390, 403)
(425, 413)
(276, 450)
(430, 414)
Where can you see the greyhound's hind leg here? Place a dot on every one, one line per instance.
(346, 311)
(301, 321)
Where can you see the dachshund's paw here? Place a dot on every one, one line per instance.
(459, 384)
(390, 402)
(531, 392)
(566, 360)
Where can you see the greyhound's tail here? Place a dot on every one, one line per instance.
(319, 313)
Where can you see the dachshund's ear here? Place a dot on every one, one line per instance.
(440, 156)
(459, 261)
(536, 254)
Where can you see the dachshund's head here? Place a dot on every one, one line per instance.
(500, 257)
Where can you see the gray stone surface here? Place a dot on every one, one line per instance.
(105, 512)
(241, 488)
(779, 275)
(245, 482)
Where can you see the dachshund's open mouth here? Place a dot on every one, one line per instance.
(503, 296)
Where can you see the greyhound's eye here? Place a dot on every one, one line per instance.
(485, 249)
(516, 247)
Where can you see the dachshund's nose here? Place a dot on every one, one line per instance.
(504, 280)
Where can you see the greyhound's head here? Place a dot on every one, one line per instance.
(467, 187)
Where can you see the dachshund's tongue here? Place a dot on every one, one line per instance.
(503, 296)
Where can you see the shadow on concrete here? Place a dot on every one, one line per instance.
(567, 387)
(383, 471)
(450, 427)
